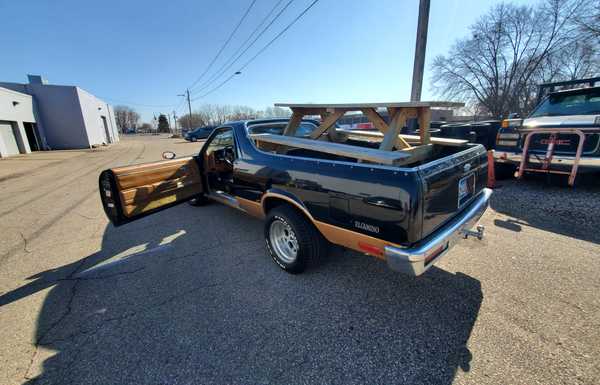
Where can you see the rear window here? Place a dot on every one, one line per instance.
(587, 103)
(303, 131)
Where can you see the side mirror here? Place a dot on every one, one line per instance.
(168, 155)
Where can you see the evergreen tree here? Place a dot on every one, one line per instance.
(163, 124)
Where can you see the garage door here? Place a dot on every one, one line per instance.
(7, 137)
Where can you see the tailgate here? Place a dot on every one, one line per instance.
(450, 184)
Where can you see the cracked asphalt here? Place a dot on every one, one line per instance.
(189, 295)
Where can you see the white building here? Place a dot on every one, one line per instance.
(39, 116)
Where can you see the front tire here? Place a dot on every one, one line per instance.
(293, 242)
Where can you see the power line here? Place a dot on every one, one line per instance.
(224, 44)
(279, 34)
(216, 88)
(261, 50)
(226, 66)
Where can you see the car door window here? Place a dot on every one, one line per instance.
(223, 140)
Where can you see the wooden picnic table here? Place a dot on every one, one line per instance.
(399, 112)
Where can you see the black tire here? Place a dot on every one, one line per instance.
(504, 171)
(199, 200)
(311, 246)
(193, 139)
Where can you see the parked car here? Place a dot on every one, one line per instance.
(560, 122)
(408, 215)
(198, 133)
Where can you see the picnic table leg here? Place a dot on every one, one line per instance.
(424, 116)
(294, 123)
(392, 138)
(327, 123)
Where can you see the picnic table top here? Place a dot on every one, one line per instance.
(373, 105)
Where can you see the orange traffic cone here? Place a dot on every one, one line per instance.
(491, 172)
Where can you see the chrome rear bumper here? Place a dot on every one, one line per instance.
(417, 259)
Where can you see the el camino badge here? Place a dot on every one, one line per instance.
(366, 227)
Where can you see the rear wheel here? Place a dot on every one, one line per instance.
(293, 242)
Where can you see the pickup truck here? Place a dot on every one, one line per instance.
(563, 131)
(408, 215)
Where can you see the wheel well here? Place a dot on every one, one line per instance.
(273, 202)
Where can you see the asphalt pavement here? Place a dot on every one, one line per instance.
(190, 296)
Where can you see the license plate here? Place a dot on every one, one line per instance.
(466, 187)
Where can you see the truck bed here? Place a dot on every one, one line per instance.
(359, 149)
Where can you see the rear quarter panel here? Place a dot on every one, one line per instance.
(377, 201)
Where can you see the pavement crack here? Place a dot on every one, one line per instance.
(25, 249)
(87, 217)
(126, 315)
(26, 375)
(62, 317)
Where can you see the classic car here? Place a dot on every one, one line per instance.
(311, 193)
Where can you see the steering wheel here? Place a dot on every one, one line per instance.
(228, 156)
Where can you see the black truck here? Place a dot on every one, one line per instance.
(408, 215)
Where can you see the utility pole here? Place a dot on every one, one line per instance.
(189, 109)
(175, 121)
(187, 95)
(420, 46)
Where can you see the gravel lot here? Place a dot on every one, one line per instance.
(189, 295)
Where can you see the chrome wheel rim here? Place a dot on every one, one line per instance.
(283, 240)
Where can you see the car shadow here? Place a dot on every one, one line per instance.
(189, 295)
(549, 206)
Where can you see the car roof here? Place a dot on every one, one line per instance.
(276, 120)
(581, 90)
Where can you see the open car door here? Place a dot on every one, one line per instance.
(131, 192)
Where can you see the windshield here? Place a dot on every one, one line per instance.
(584, 103)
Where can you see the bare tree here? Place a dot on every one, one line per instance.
(218, 114)
(511, 50)
(193, 121)
(588, 21)
(277, 112)
(126, 117)
(242, 113)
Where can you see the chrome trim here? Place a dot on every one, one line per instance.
(224, 198)
(413, 261)
(509, 135)
(557, 160)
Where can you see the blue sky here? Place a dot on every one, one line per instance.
(147, 52)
